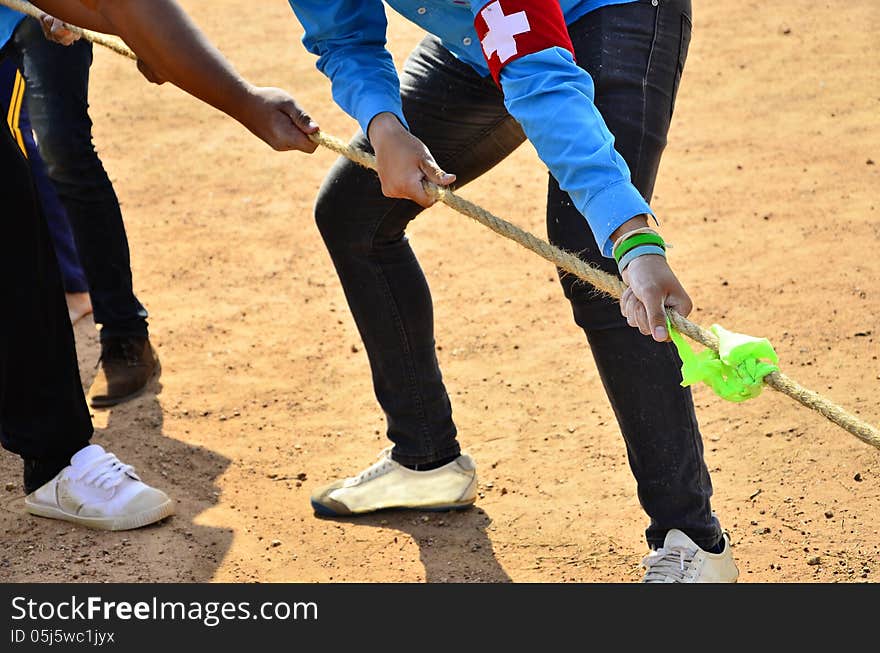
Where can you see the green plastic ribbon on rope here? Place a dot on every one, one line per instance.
(736, 372)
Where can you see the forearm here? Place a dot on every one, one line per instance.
(168, 41)
(637, 222)
(75, 13)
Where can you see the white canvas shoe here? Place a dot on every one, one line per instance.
(97, 490)
(388, 484)
(680, 560)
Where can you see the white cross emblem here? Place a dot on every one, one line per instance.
(502, 29)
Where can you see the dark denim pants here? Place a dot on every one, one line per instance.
(43, 412)
(58, 101)
(635, 53)
(72, 274)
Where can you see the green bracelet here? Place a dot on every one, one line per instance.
(635, 241)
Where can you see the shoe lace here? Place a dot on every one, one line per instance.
(105, 472)
(119, 349)
(381, 464)
(665, 565)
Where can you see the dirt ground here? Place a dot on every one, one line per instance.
(767, 190)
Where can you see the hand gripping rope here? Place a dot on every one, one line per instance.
(736, 373)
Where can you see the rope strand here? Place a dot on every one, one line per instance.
(567, 261)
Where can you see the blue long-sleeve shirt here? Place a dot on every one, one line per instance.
(9, 20)
(550, 96)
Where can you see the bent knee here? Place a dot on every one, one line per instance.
(352, 213)
(325, 208)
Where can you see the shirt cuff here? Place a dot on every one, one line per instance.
(371, 107)
(610, 208)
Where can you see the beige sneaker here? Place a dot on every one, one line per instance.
(98, 491)
(388, 484)
(680, 560)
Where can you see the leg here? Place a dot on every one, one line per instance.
(57, 93)
(43, 414)
(72, 273)
(462, 120)
(58, 84)
(13, 106)
(634, 53)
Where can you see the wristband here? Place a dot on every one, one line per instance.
(636, 252)
(635, 241)
(640, 230)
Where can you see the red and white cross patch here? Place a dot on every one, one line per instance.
(510, 29)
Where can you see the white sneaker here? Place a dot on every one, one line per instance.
(388, 484)
(680, 560)
(98, 491)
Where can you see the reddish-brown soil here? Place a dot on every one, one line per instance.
(768, 191)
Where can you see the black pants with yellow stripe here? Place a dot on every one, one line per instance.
(43, 413)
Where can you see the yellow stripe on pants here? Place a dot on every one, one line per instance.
(14, 114)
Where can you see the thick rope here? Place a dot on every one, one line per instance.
(562, 259)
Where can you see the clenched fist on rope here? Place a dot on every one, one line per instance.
(652, 286)
(58, 31)
(403, 163)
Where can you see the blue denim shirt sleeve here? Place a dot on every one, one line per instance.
(552, 98)
(9, 20)
(349, 38)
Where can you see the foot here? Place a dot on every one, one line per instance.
(98, 491)
(388, 484)
(126, 367)
(680, 560)
(79, 304)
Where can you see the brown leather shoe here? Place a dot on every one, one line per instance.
(127, 365)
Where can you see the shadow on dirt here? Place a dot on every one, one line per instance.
(453, 546)
(176, 550)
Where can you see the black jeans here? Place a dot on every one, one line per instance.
(58, 101)
(12, 102)
(635, 53)
(43, 412)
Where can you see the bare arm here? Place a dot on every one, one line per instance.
(171, 44)
(75, 13)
